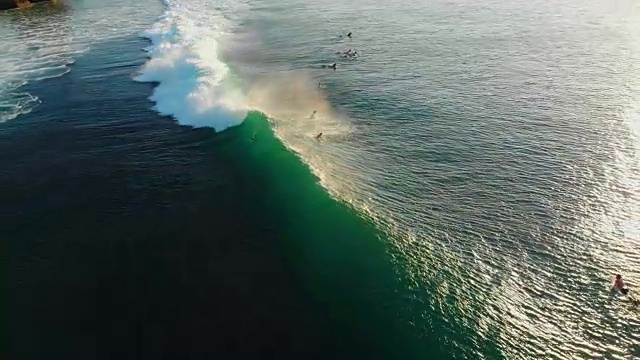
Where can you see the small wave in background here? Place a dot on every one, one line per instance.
(43, 42)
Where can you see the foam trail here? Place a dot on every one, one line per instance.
(16, 105)
(193, 85)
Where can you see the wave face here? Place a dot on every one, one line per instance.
(505, 167)
(193, 85)
(210, 70)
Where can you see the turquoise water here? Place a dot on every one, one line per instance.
(476, 188)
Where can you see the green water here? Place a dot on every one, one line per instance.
(334, 251)
(495, 147)
(344, 261)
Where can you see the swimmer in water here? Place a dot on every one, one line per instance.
(317, 137)
(619, 285)
(254, 137)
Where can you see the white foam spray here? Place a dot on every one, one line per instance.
(193, 85)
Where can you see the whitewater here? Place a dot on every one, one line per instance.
(193, 85)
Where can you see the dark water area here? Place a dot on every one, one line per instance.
(133, 237)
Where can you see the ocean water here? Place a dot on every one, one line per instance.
(476, 187)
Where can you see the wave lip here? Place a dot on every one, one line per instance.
(193, 85)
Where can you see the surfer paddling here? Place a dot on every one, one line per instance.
(351, 53)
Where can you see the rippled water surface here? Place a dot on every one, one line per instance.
(499, 144)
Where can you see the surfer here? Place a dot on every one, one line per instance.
(254, 137)
(313, 114)
(349, 35)
(619, 285)
(350, 53)
(317, 137)
(332, 66)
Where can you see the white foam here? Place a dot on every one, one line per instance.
(194, 86)
(16, 105)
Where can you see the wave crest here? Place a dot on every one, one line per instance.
(193, 85)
